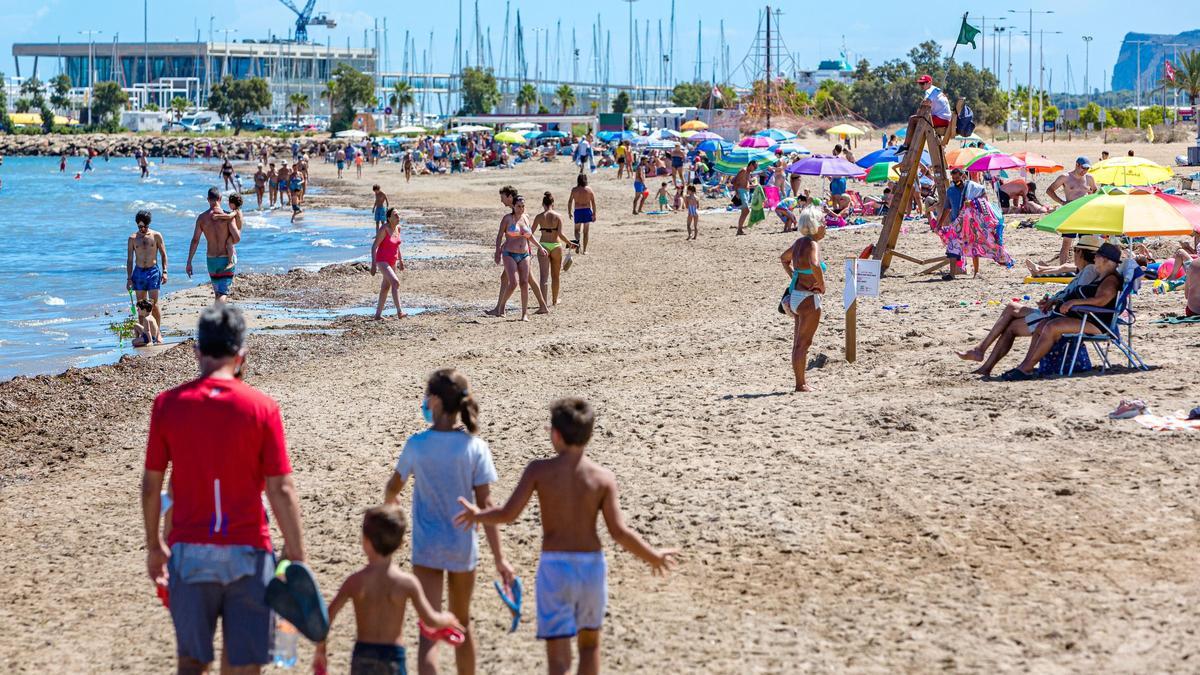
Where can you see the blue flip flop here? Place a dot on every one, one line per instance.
(296, 598)
(513, 602)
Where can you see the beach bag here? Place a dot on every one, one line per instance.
(1052, 362)
(966, 121)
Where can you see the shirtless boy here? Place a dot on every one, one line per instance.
(1075, 184)
(145, 330)
(640, 193)
(143, 276)
(572, 578)
(218, 233)
(380, 592)
(741, 183)
(381, 206)
(581, 207)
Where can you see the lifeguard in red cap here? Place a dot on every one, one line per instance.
(939, 104)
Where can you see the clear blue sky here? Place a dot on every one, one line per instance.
(811, 30)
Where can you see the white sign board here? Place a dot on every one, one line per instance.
(850, 290)
(867, 278)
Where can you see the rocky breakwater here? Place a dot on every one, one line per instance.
(125, 145)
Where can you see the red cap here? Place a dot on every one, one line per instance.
(923, 79)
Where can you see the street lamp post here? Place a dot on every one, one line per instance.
(1030, 92)
(1087, 89)
(983, 37)
(1041, 81)
(1138, 82)
(91, 79)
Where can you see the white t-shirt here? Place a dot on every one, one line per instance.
(940, 104)
(443, 466)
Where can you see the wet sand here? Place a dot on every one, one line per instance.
(906, 516)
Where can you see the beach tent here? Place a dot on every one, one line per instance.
(1130, 171)
(844, 130)
(1136, 212)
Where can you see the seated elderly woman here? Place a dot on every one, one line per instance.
(1101, 292)
(1018, 320)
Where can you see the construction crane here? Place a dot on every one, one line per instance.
(305, 18)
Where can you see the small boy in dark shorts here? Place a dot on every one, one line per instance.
(572, 577)
(379, 592)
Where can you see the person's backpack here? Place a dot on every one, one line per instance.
(966, 121)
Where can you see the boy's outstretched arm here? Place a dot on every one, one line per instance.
(320, 659)
(473, 515)
(428, 615)
(660, 562)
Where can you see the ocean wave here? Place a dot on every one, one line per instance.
(53, 301)
(328, 243)
(97, 197)
(262, 226)
(38, 323)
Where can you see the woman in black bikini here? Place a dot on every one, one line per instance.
(549, 224)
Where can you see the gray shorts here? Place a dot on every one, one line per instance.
(209, 581)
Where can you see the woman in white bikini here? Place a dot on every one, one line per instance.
(802, 262)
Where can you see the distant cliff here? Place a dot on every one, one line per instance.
(1124, 74)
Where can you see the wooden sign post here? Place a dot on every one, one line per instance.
(862, 279)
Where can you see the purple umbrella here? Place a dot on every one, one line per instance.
(824, 165)
(755, 142)
(995, 162)
(701, 136)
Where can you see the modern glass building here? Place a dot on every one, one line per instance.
(155, 72)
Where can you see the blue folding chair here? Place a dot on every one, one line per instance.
(1110, 322)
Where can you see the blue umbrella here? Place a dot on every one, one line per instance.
(713, 145)
(790, 148)
(777, 134)
(551, 134)
(886, 155)
(901, 133)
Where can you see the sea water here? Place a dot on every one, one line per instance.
(63, 245)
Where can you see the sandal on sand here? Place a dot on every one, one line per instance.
(1128, 409)
(453, 636)
(512, 602)
(1017, 375)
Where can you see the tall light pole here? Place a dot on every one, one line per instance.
(1030, 92)
(983, 36)
(91, 34)
(997, 34)
(1087, 45)
(1138, 82)
(1041, 79)
(630, 50)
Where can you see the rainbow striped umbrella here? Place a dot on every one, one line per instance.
(1116, 212)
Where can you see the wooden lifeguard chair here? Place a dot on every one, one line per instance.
(921, 135)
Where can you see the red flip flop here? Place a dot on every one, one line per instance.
(452, 635)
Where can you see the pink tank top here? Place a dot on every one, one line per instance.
(389, 249)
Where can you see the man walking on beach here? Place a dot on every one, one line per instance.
(142, 273)
(225, 445)
(217, 237)
(1075, 184)
(741, 183)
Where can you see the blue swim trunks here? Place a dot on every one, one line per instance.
(572, 593)
(380, 214)
(744, 197)
(638, 187)
(147, 278)
(341, 165)
(222, 279)
(584, 216)
(377, 659)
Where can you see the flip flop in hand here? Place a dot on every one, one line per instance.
(513, 602)
(453, 636)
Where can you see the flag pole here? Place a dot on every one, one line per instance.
(955, 48)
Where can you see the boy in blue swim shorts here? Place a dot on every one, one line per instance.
(381, 206)
(572, 583)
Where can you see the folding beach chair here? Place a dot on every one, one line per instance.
(772, 196)
(1110, 321)
(856, 203)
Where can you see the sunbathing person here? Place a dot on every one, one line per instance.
(1102, 292)
(1072, 268)
(1018, 320)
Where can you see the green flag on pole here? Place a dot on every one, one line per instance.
(967, 33)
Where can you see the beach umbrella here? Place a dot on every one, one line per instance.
(660, 145)
(1130, 171)
(714, 145)
(550, 134)
(882, 172)
(409, 130)
(701, 136)
(665, 134)
(642, 140)
(824, 165)
(755, 142)
(451, 138)
(886, 155)
(972, 137)
(902, 132)
(793, 148)
(1039, 163)
(694, 125)
(995, 161)
(844, 130)
(960, 157)
(350, 133)
(776, 134)
(1115, 212)
(689, 133)
(510, 137)
(737, 159)
(470, 128)
(521, 126)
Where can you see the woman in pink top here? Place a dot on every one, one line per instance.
(385, 256)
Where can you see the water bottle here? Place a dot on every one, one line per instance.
(287, 641)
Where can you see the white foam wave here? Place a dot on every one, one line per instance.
(97, 197)
(53, 301)
(37, 323)
(328, 243)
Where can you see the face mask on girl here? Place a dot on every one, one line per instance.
(425, 411)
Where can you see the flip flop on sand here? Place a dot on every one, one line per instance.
(513, 602)
(453, 636)
(294, 595)
(1017, 375)
(1128, 409)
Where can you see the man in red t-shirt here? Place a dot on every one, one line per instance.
(226, 444)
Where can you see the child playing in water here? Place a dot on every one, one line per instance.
(572, 578)
(145, 331)
(379, 592)
(693, 212)
(663, 204)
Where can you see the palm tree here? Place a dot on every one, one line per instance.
(298, 103)
(526, 97)
(330, 93)
(566, 97)
(179, 106)
(401, 97)
(1187, 80)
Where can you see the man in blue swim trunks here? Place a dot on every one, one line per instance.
(217, 235)
(741, 183)
(143, 276)
(640, 193)
(581, 206)
(381, 206)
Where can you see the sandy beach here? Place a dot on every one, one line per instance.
(904, 517)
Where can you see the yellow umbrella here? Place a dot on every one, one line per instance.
(844, 130)
(510, 137)
(690, 132)
(1115, 212)
(694, 125)
(1130, 171)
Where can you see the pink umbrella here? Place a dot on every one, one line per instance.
(756, 142)
(995, 162)
(1187, 209)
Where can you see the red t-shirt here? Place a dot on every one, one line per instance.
(224, 438)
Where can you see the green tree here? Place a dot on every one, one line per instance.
(620, 103)
(350, 89)
(22, 105)
(179, 106)
(237, 99)
(298, 103)
(690, 94)
(1051, 114)
(47, 119)
(479, 91)
(1089, 114)
(400, 98)
(60, 90)
(107, 100)
(526, 97)
(152, 107)
(565, 96)
(543, 110)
